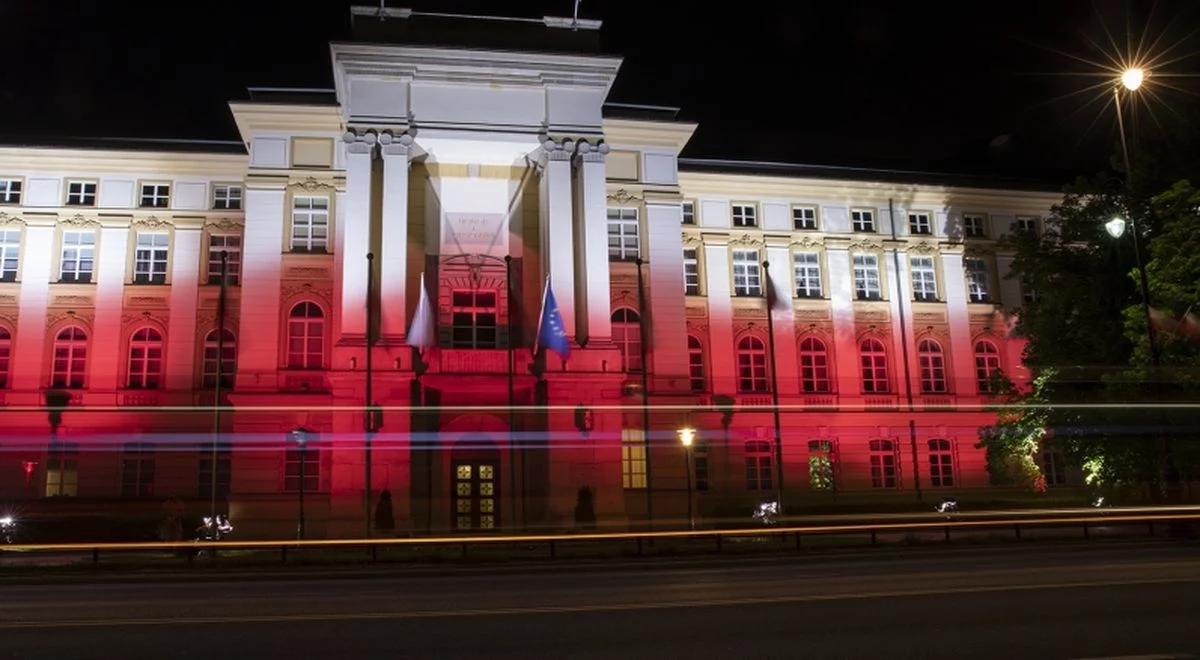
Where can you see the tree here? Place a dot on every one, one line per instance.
(1013, 442)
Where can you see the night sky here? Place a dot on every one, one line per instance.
(955, 87)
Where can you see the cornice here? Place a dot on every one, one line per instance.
(642, 134)
(94, 162)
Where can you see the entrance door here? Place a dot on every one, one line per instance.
(476, 499)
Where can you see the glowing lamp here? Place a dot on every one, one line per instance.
(686, 436)
(1115, 227)
(1132, 78)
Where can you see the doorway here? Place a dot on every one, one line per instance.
(475, 496)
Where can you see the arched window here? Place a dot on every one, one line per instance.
(145, 359)
(306, 337)
(70, 358)
(752, 364)
(627, 333)
(987, 365)
(874, 366)
(933, 366)
(5, 355)
(696, 363)
(814, 365)
(228, 360)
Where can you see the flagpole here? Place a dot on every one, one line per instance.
(217, 384)
(368, 421)
(645, 395)
(771, 299)
(511, 343)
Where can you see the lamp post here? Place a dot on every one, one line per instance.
(300, 437)
(687, 436)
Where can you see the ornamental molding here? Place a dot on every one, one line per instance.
(698, 326)
(129, 319)
(746, 240)
(805, 242)
(148, 301)
(692, 240)
(304, 289)
(69, 317)
(6, 219)
(865, 245)
(8, 299)
(696, 311)
(922, 248)
(224, 224)
(978, 251)
(749, 313)
(207, 322)
(623, 196)
(311, 184)
(8, 319)
(929, 317)
(79, 221)
(151, 222)
(307, 272)
(813, 314)
(871, 316)
(66, 301)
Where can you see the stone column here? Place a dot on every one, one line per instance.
(356, 235)
(556, 221)
(259, 325)
(29, 343)
(593, 283)
(181, 326)
(962, 359)
(784, 318)
(104, 349)
(393, 260)
(841, 302)
(720, 315)
(668, 319)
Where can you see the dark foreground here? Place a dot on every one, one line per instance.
(1062, 601)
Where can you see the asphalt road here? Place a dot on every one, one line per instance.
(1063, 601)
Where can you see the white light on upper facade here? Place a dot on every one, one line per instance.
(687, 436)
(1132, 78)
(1115, 227)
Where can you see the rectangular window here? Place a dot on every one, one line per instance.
(919, 223)
(689, 213)
(10, 251)
(473, 319)
(230, 244)
(973, 225)
(1028, 293)
(296, 461)
(862, 220)
(310, 224)
(866, 277)
(941, 463)
(804, 217)
(745, 215)
(633, 459)
(924, 279)
(204, 475)
(977, 279)
(10, 191)
(137, 470)
(883, 464)
(227, 197)
(758, 465)
(150, 258)
(807, 269)
(1027, 224)
(78, 256)
(691, 271)
(747, 273)
(623, 241)
(700, 467)
(62, 469)
(820, 465)
(155, 195)
(1053, 468)
(81, 193)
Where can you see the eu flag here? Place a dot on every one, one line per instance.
(551, 333)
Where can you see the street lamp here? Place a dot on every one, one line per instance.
(1132, 78)
(1115, 227)
(300, 437)
(687, 436)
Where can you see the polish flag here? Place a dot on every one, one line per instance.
(421, 332)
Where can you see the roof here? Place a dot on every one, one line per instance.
(125, 143)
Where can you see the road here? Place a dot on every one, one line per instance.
(1075, 600)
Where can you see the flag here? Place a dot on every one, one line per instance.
(777, 300)
(421, 333)
(551, 334)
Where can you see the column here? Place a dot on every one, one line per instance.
(259, 324)
(356, 241)
(393, 258)
(720, 315)
(181, 326)
(594, 301)
(668, 305)
(841, 300)
(962, 359)
(28, 364)
(556, 221)
(784, 318)
(104, 353)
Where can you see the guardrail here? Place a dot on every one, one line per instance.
(552, 541)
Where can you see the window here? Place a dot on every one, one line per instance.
(866, 277)
(150, 258)
(821, 464)
(70, 358)
(758, 465)
(691, 272)
(623, 242)
(137, 470)
(987, 366)
(145, 359)
(306, 337)
(227, 360)
(78, 256)
(933, 367)
(230, 244)
(924, 279)
(874, 366)
(5, 355)
(752, 364)
(977, 279)
(155, 195)
(941, 464)
(1053, 467)
(1028, 293)
(689, 213)
(807, 269)
(633, 458)
(227, 197)
(10, 191)
(1027, 224)
(310, 224)
(700, 466)
(10, 254)
(473, 316)
(81, 193)
(973, 225)
(696, 364)
(804, 217)
(747, 273)
(745, 215)
(883, 463)
(627, 334)
(814, 366)
(306, 461)
(62, 469)
(919, 223)
(862, 220)
(204, 473)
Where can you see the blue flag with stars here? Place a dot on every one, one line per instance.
(551, 333)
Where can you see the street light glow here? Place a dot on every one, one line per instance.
(1132, 78)
(1115, 227)
(687, 435)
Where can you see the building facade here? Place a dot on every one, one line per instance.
(864, 373)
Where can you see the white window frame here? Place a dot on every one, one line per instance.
(310, 215)
(863, 220)
(5, 355)
(867, 285)
(627, 335)
(75, 250)
(83, 196)
(920, 223)
(923, 272)
(11, 190)
(468, 305)
(308, 329)
(70, 352)
(747, 273)
(10, 253)
(978, 280)
(873, 367)
(227, 196)
(155, 196)
(696, 366)
(806, 273)
(1028, 224)
(145, 359)
(624, 228)
(979, 221)
(941, 462)
(151, 257)
(987, 364)
(814, 366)
(687, 210)
(208, 360)
(691, 272)
(743, 215)
(753, 375)
(760, 465)
(804, 218)
(931, 360)
(884, 462)
(232, 245)
(633, 459)
(311, 457)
